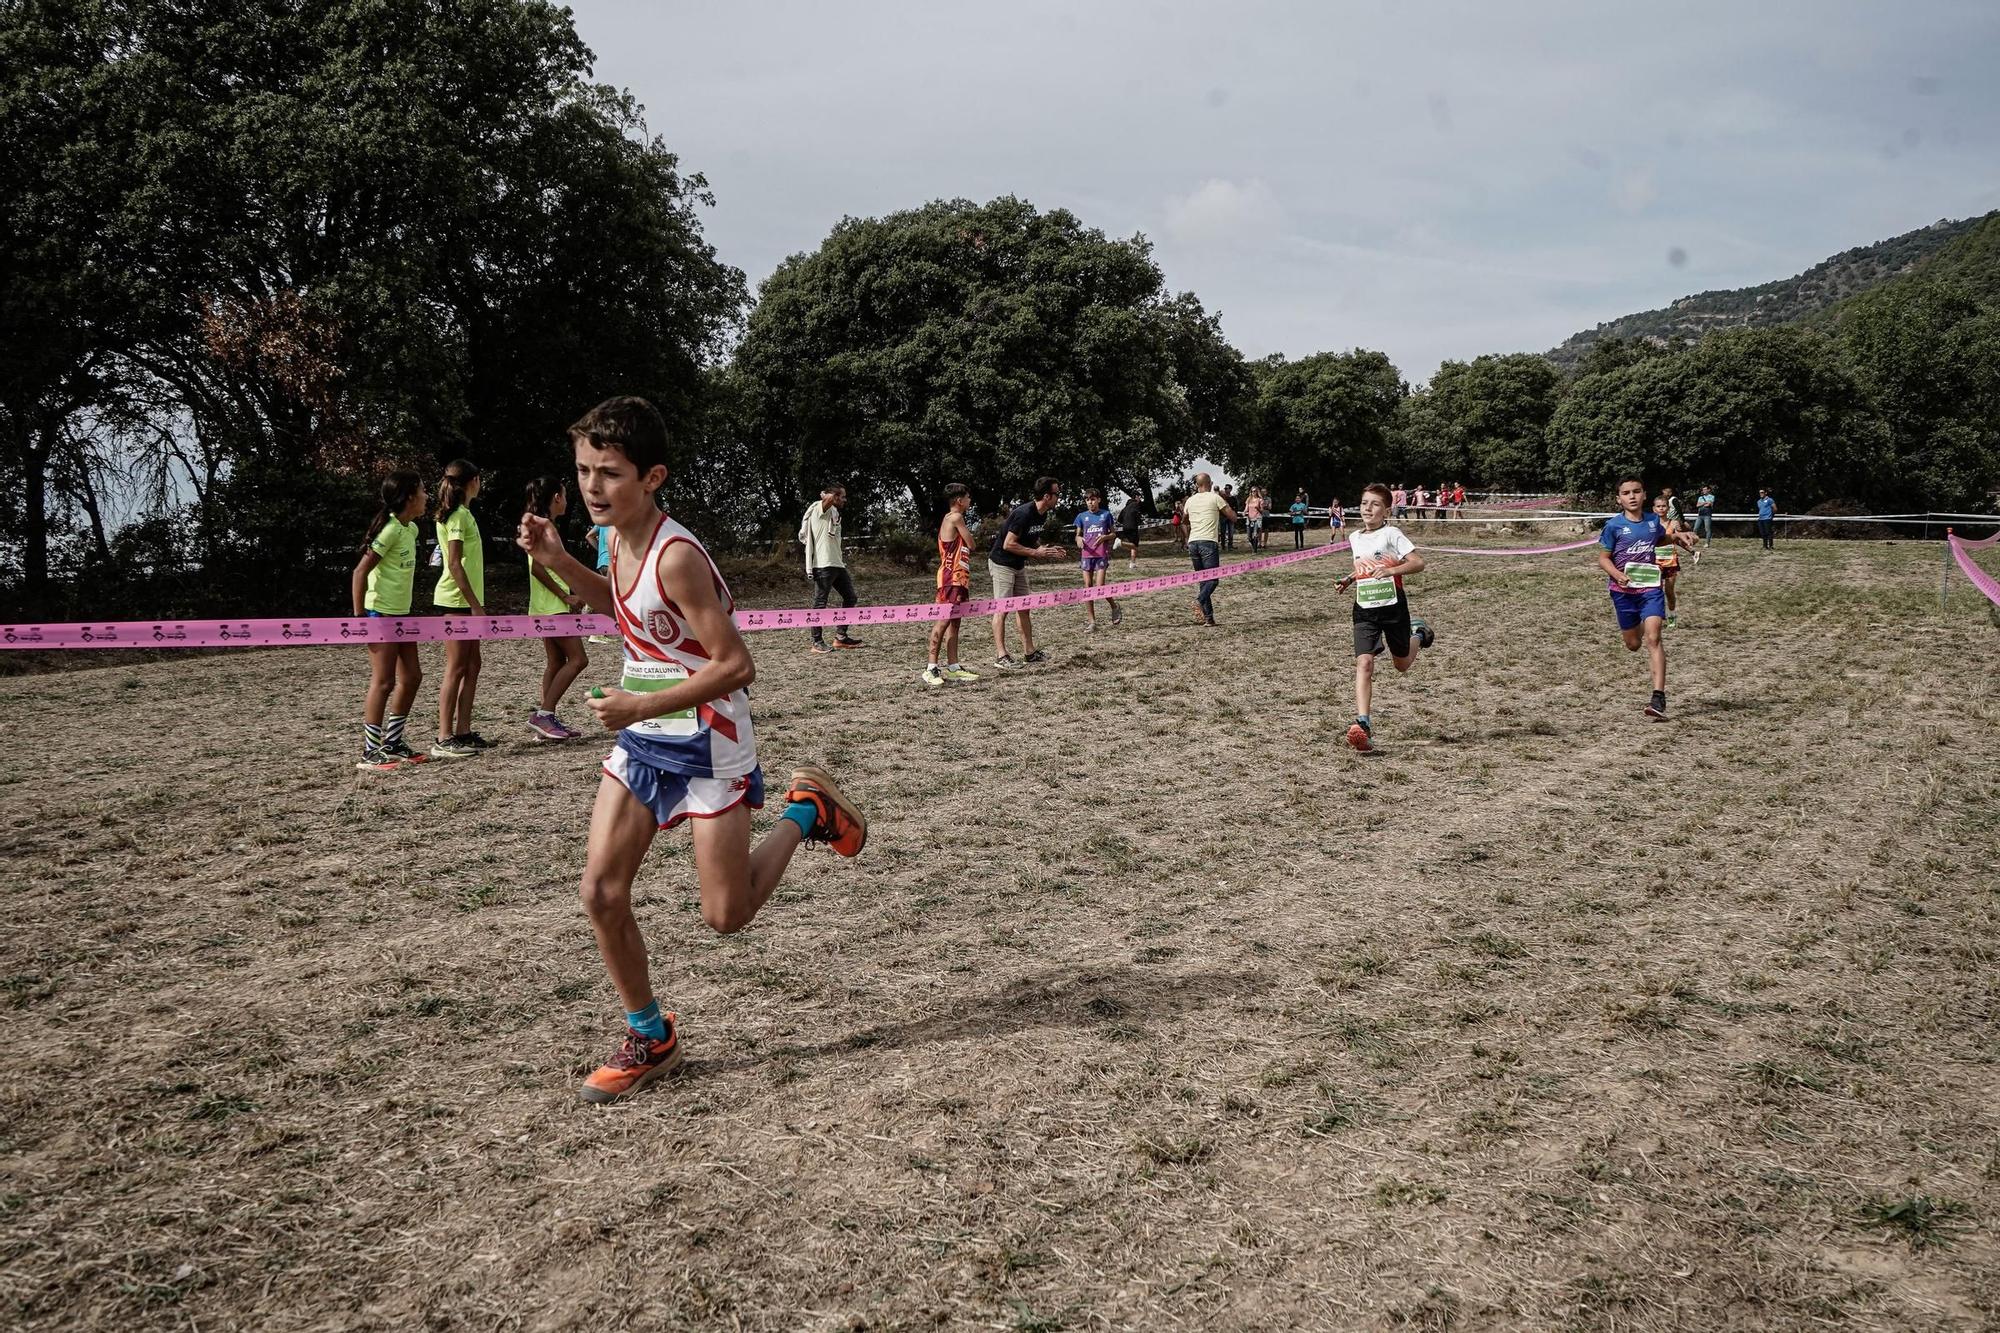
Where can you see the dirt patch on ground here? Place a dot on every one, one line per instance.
(1149, 1005)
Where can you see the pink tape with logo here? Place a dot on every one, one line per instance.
(304, 631)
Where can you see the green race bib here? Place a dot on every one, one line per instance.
(1643, 576)
(648, 678)
(1376, 592)
(1667, 554)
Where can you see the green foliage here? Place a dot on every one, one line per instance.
(1743, 409)
(1928, 356)
(981, 343)
(1485, 420)
(346, 234)
(1325, 423)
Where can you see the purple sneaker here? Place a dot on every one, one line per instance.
(547, 727)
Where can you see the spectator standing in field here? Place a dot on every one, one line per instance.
(383, 584)
(1298, 512)
(602, 533)
(1253, 518)
(1180, 525)
(1227, 526)
(1704, 514)
(1673, 503)
(1400, 501)
(954, 587)
(1767, 516)
(1458, 495)
(1421, 499)
(826, 563)
(1093, 545)
(1131, 517)
(1206, 512)
(1020, 541)
(462, 587)
(1336, 519)
(563, 656)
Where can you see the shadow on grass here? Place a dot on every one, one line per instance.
(1066, 997)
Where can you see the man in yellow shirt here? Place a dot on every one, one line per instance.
(1205, 513)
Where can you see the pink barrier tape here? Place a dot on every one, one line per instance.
(1979, 545)
(1510, 550)
(1034, 601)
(313, 631)
(299, 633)
(1978, 577)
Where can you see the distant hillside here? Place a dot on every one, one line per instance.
(1824, 284)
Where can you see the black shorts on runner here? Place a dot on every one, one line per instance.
(1383, 624)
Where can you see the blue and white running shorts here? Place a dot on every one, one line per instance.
(673, 796)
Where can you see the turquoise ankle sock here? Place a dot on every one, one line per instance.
(803, 813)
(648, 1023)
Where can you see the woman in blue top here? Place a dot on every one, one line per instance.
(1298, 512)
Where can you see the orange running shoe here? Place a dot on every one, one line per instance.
(841, 824)
(637, 1061)
(1358, 737)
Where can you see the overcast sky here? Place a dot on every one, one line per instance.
(1433, 180)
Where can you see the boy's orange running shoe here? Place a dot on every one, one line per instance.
(841, 824)
(637, 1061)
(1357, 736)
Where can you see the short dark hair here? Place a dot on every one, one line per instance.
(1045, 486)
(955, 492)
(630, 425)
(1093, 495)
(1376, 488)
(1632, 477)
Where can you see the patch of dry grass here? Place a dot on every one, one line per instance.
(1149, 1005)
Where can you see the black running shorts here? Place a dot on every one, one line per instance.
(1382, 624)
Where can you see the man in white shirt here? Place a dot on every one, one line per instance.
(826, 565)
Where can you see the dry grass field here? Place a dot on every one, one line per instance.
(1149, 1006)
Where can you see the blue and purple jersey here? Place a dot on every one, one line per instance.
(1633, 541)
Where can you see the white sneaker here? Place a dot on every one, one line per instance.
(933, 674)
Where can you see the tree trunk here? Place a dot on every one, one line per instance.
(35, 515)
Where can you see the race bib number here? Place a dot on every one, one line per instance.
(1643, 576)
(1375, 592)
(649, 677)
(1667, 554)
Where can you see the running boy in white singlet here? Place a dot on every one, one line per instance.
(1382, 555)
(682, 714)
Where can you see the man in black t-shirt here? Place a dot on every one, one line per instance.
(1020, 541)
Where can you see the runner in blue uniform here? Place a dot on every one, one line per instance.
(1629, 553)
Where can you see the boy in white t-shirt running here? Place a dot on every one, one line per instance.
(1382, 555)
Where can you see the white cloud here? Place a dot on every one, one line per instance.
(1223, 210)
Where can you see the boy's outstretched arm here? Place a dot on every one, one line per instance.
(537, 536)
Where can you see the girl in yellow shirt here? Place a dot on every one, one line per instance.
(462, 587)
(564, 658)
(381, 587)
